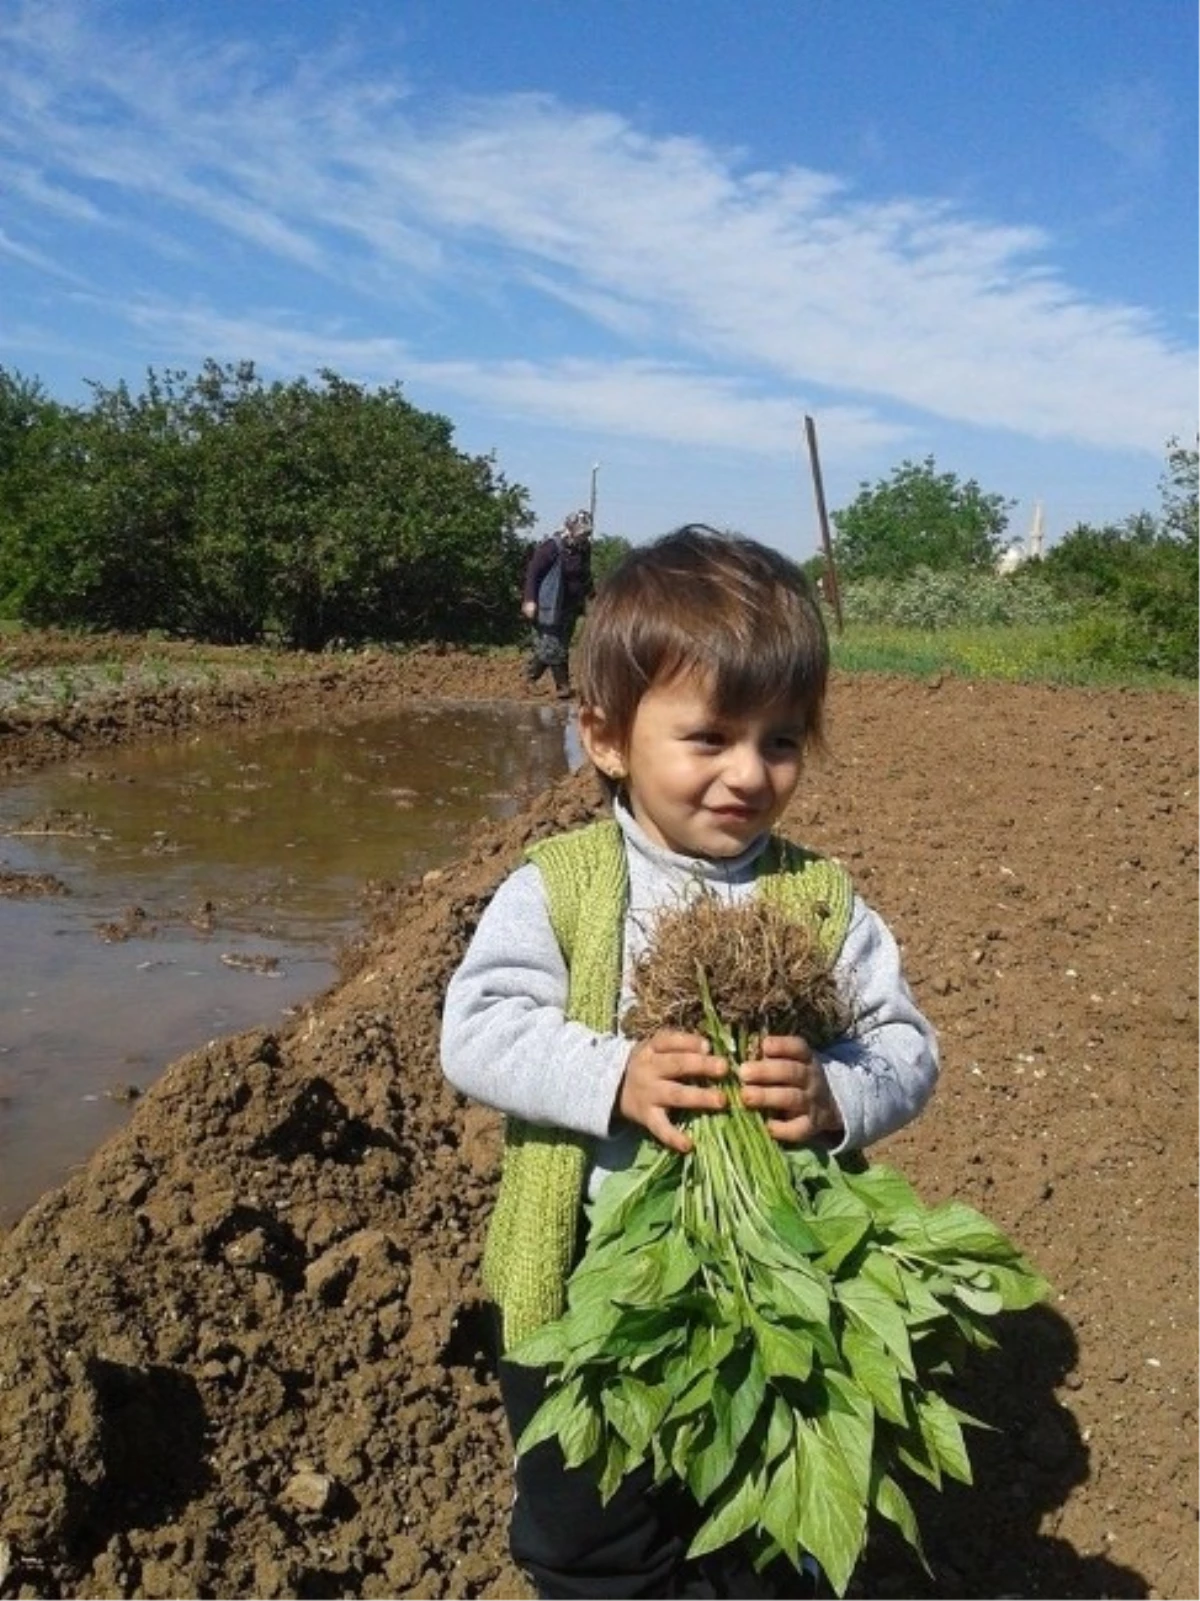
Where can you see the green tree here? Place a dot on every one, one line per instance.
(41, 456)
(918, 518)
(607, 551)
(221, 508)
(1178, 486)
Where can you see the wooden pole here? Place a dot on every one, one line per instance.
(829, 581)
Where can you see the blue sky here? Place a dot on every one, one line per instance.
(635, 240)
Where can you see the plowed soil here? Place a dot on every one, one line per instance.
(241, 1353)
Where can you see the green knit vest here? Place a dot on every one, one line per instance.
(531, 1241)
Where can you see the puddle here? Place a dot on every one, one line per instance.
(209, 883)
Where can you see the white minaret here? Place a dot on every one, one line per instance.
(1033, 548)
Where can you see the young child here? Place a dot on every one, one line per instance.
(702, 681)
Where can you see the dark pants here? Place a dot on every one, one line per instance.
(571, 1544)
(550, 648)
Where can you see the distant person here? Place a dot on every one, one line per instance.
(702, 682)
(558, 582)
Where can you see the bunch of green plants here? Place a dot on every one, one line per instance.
(772, 1327)
(1134, 589)
(956, 598)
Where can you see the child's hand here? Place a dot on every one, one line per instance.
(788, 1085)
(656, 1083)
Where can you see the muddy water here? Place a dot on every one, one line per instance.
(204, 887)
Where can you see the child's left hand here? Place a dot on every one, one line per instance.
(788, 1086)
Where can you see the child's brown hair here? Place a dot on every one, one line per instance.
(739, 615)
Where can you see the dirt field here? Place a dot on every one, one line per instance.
(241, 1352)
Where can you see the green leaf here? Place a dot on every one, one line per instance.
(709, 1463)
(875, 1369)
(943, 1435)
(954, 1230)
(551, 1417)
(831, 1515)
(689, 1385)
(643, 1333)
(635, 1409)
(791, 1293)
(1019, 1286)
(883, 1271)
(735, 1512)
(796, 1235)
(781, 1430)
(912, 1451)
(808, 1167)
(580, 1434)
(842, 1233)
(986, 1302)
(649, 1175)
(743, 1381)
(681, 1265)
(786, 1353)
(877, 1314)
(840, 1204)
(891, 1502)
(642, 1284)
(884, 1190)
(675, 1442)
(920, 1294)
(778, 1514)
(849, 1424)
(545, 1347)
(616, 1465)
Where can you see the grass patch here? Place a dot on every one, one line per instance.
(1020, 654)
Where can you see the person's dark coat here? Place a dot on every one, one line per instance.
(559, 580)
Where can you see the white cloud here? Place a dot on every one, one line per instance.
(715, 295)
(637, 400)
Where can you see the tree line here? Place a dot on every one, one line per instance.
(921, 549)
(217, 507)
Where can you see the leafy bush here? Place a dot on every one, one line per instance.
(954, 599)
(1134, 587)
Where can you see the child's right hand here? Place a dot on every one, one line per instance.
(657, 1079)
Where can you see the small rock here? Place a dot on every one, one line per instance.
(312, 1491)
(135, 1188)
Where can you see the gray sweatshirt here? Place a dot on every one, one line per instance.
(507, 1043)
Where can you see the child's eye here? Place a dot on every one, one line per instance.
(709, 738)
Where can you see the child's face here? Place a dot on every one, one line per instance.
(697, 783)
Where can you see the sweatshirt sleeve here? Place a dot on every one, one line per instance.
(882, 1074)
(506, 1041)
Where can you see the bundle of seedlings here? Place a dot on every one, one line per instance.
(773, 1326)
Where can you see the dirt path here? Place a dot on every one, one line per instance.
(241, 1352)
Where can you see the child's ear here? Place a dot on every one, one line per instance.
(604, 750)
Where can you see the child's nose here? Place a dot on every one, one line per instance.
(745, 768)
